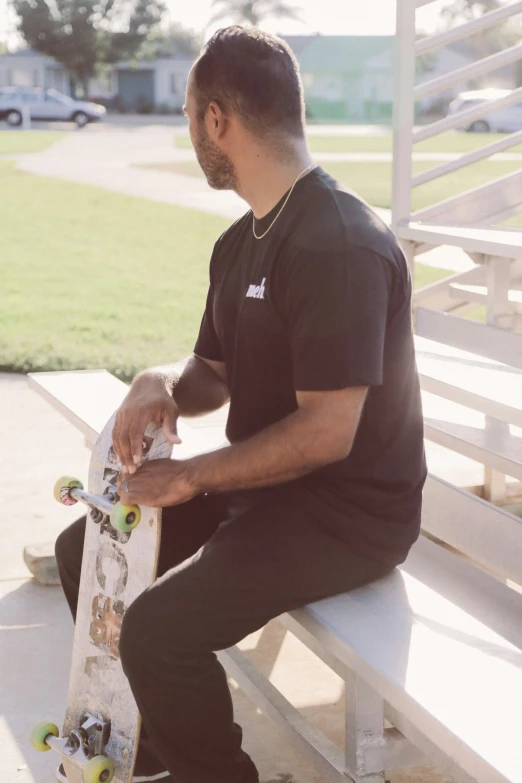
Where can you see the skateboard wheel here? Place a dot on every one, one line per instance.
(125, 518)
(62, 487)
(100, 769)
(40, 732)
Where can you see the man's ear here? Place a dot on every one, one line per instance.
(217, 121)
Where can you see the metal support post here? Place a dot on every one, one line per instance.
(404, 112)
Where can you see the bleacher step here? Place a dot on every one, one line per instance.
(471, 380)
(505, 243)
(493, 446)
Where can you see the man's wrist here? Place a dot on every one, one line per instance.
(200, 470)
(195, 474)
(157, 378)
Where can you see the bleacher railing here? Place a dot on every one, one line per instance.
(491, 202)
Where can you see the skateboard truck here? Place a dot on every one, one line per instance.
(83, 748)
(69, 491)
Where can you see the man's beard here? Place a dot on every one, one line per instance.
(215, 164)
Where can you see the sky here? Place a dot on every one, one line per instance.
(329, 17)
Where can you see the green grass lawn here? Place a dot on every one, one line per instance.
(373, 181)
(13, 142)
(513, 222)
(91, 278)
(425, 275)
(446, 142)
(183, 142)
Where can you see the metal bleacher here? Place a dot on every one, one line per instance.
(469, 222)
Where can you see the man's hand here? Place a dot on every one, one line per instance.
(158, 483)
(148, 401)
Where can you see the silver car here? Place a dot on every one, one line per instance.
(507, 120)
(46, 105)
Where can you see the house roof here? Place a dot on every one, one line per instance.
(298, 42)
(25, 53)
(19, 59)
(50, 62)
(338, 52)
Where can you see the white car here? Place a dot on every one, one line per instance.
(47, 105)
(506, 120)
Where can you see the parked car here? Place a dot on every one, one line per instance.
(506, 120)
(47, 105)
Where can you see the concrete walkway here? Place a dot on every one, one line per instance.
(35, 628)
(109, 159)
(115, 159)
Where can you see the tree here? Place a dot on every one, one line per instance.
(85, 35)
(173, 41)
(491, 40)
(459, 10)
(253, 11)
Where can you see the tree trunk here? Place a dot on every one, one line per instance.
(85, 88)
(73, 85)
(251, 13)
(80, 84)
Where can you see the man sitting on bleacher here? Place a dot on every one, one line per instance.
(307, 330)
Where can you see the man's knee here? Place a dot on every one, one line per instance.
(68, 547)
(139, 632)
(165, 619)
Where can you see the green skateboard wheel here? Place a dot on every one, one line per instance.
(40, 732)
(100, 769)
(62, 487)
(125, 518)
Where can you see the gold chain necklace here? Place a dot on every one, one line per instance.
(301, 175)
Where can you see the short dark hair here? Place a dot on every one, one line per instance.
(254, 74)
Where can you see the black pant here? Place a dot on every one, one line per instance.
(227, 567)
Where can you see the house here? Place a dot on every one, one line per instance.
(151, 85)
(439, 63)
(144, 86)
(26, 68)
(350, 78)
(346, 77)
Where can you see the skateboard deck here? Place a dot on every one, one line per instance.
(102, 720)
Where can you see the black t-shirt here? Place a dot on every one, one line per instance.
(323, 302)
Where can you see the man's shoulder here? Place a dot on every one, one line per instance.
(336, 216)
(234, 231)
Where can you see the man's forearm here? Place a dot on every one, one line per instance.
(195, 387)
(198, 389)
(288, 449)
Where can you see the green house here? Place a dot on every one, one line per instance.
(346, 78)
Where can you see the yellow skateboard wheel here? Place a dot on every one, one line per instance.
(100, 769)
(62, 487)
(40, 732)
(125, 518)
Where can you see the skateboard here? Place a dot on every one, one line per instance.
(100, 732)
